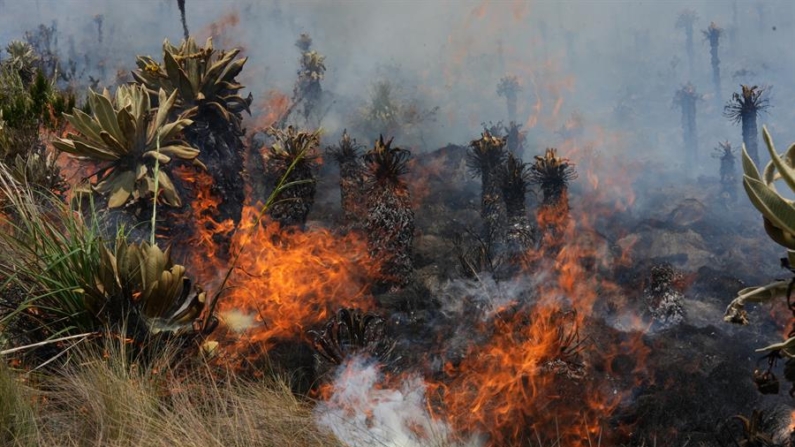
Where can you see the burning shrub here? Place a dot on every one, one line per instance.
(347, 155)
(486, 158)
(124, 133)
(390, 220)
(292, 161)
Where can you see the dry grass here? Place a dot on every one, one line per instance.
(100, 399)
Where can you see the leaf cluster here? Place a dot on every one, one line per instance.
(128, 135)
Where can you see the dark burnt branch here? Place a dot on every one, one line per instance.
(181, 5)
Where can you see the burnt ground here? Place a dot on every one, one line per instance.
(699, 368)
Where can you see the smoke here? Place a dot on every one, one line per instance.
(363, 412)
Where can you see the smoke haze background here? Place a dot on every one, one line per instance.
(580, 56)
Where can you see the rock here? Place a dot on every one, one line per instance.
(684, 248)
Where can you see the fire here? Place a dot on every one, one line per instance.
(273, 107)
(534, 367)
(289, 281)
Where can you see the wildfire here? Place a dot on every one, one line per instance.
(289, 281)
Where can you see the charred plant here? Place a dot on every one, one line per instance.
(390, 219)
(352, 332)
(713, 34)
(292, 160)
(486, 158)
(515, 181)
(744, 108)
(509, 88)
(687, 98)
(348, 156)
(728, 170)
(552, 175)
(685, 21)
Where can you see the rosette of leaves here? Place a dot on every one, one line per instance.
(552, 174)
(128, 136)
(202, 78)
(22, 59)
(293, 159)
(352, 332)
(390, 220)
(778, 214)
(141, 281)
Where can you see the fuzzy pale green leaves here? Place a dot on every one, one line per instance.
(124, 132)
(202, 79)
(779, 220)
(778, 212)
(145, 278)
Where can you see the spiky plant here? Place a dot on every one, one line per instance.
(552, 174)
(728, 170)
(296, 149)
(486, 157)
(347, 155)
(713, 34)
(509, 87)
(22, 59)
(778, 214)
(744, 108)
(204, 80)
(352, 332)
(687, 98)
(686, 19)
(139, 286)
(312, 70)
(207, 92)
(390, 219)
(122, 133)
(515, 180)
